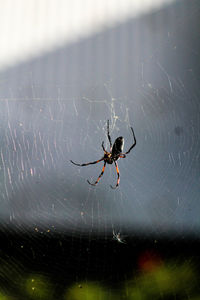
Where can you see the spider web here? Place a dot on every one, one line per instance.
(54, 108)
(44, 125)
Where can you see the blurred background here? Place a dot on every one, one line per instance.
(66, 67)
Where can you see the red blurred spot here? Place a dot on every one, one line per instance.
(149, 261)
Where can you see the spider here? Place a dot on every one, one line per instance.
(111, 157)
(117, 236)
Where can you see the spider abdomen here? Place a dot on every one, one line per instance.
(118, 146)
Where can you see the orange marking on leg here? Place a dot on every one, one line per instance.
(117, 169)
(100, 175)
(118, 176)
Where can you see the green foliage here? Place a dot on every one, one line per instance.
(4, 296)
(38, 287)
(164, 281)
(89, 291)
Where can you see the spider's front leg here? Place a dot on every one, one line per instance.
(118, 176)
(87, 164)
(102, 171)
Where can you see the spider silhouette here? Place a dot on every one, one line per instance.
(111, 157)
(117, 236)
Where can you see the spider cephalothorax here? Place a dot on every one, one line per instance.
(116, 152)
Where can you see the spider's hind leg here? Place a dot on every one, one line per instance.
(108, 134)
(102, 145)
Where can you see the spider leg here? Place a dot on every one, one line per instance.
(90, 163)
(118, 176)
(102, 171)
(102, 145)
(108, 134)
(133, 143)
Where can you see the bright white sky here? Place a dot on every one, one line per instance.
(31, 27)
